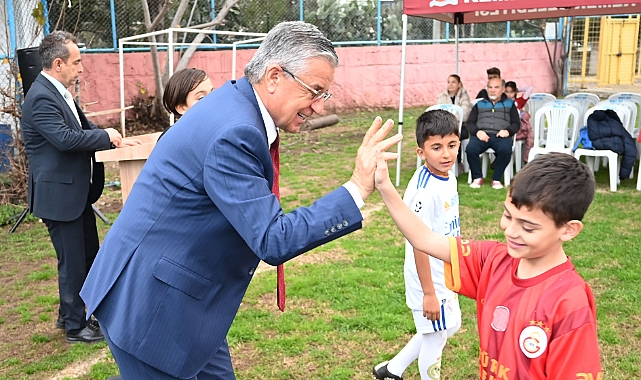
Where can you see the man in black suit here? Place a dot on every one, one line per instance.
(64, 179)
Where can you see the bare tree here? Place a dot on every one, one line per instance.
(161, 76)
(559, 56)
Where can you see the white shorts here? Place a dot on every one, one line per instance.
(450, 317)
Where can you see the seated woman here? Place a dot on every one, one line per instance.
(456, 94)
(184, 89)
(520, 99)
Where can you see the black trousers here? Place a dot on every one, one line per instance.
(76, 244)
(502, 147)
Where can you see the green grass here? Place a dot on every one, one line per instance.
(346, 304)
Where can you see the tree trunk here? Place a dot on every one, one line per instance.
(220, 17)
(161, 76)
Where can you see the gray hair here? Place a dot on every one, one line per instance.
(54, 45)
(290, 44)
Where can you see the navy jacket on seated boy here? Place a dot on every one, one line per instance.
(536, 314)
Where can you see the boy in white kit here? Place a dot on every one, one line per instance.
(433, 196)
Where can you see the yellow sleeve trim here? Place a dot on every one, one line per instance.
(452, 270)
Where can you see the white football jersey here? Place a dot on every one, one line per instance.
(435, 201)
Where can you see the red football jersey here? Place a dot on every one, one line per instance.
(520, 102)
(537, 328)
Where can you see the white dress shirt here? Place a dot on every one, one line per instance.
(65, 94)
(272, 132)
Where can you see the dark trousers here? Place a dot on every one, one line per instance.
(503, 150)
(76, 244)
(131, 368)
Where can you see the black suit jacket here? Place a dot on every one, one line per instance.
(60, 152)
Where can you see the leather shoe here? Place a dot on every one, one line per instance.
(60, 322)
(89, 334)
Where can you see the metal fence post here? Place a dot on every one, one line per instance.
(447, 32)
(11, 14)
(45, 6)
(213, 14)
(301, 15)
(508, 27)
(378, 23)
(114, 34)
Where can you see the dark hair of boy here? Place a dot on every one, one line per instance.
(494, 71)
(179, 86)
(435, 123)
(556, 183)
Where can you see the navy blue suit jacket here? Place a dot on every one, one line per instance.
(173, 269)
(60, 151)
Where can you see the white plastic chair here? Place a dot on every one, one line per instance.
(584, 100)
(591, 155)
(536, 101)
(639, 178)
(458, 112)
(562, 122)
(629, 124)
(485, 161)
(626, 95)
(636, 98)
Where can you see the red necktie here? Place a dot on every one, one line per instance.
(280, 270)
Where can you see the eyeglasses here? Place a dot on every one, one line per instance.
(315, 93)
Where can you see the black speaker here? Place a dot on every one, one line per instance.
(30, 65)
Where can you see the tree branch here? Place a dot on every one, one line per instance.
(151, 26)
(220, 17)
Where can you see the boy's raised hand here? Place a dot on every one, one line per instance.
(381, 177)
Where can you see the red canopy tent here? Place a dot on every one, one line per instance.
(476, 11)
(479, 11)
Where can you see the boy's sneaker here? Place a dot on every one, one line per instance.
(497, 185)
(381, 373)
(476, 184)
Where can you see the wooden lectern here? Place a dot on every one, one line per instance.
(130, 160)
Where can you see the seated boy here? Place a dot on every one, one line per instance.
(536, 314)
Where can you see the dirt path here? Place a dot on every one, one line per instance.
(79, 369)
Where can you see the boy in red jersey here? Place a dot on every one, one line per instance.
(536, 314)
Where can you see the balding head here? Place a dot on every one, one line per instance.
(495, 89)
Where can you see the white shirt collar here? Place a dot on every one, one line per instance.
(270, 126)
(59, 86)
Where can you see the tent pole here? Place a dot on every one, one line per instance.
(402, 100)
(456, 36)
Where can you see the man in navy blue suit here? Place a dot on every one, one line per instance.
(64, 179)
(173, 269)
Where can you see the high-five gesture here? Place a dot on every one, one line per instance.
(374, 140)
